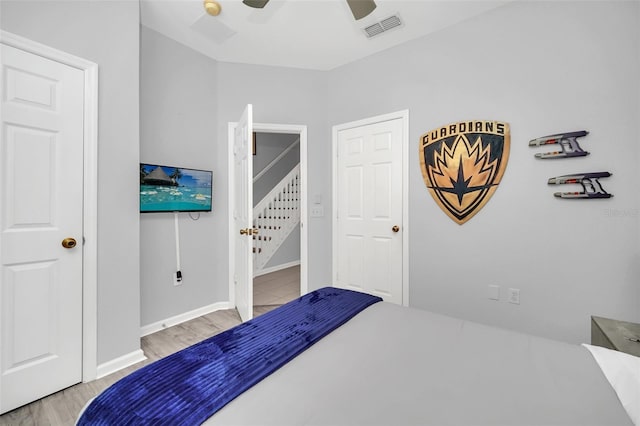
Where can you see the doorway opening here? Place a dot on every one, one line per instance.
(269, 265)
(276, 202)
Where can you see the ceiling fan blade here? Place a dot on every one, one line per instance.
(258, 4)
(361, 8)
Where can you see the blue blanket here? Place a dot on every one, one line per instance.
(189, 386)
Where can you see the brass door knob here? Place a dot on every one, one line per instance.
(395, 228)
(249, 231)
(69, 243)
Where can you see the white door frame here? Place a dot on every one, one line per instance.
(274, 128)
(90, 193)
(404, 116)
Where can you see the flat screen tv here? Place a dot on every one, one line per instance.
(174, 189)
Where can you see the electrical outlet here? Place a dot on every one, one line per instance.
(494, 292)
(514, 296)
(176, 281)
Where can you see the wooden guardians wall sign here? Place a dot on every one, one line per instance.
(462, 164)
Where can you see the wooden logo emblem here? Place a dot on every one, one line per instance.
(463, 163)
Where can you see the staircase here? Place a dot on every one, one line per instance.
(275, 216)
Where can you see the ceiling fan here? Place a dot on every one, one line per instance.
(359, 8)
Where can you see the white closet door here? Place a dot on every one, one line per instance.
(41, 187)
(369, 191)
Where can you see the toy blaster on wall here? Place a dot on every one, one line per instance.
(591, 187)
(568, 143)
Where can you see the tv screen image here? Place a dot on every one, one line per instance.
(174, 189)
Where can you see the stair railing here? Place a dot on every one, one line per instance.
(275, 216)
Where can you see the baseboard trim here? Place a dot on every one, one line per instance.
(119, 363)
(277, 268)
(178, 319)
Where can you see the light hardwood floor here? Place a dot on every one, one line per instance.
(275, 289)
(62, 408)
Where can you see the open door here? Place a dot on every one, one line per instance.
(242, 172)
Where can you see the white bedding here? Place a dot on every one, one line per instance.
(391, 365)
(399, 366)
(623, 373)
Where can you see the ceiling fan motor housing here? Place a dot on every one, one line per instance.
(359, 8)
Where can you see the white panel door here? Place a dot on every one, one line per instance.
(41, 185)
(243, 214)
(369, 192)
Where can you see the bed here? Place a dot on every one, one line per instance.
(391, 365)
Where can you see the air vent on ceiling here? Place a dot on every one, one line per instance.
(382, 26)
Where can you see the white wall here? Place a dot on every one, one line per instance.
(544, 67)
(107, 33)
(178, 127)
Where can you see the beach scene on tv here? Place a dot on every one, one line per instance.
(173, 189)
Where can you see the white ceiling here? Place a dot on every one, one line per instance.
(311, 34)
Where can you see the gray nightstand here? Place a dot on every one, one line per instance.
(616, 335)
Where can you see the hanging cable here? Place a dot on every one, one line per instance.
(178, 271)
